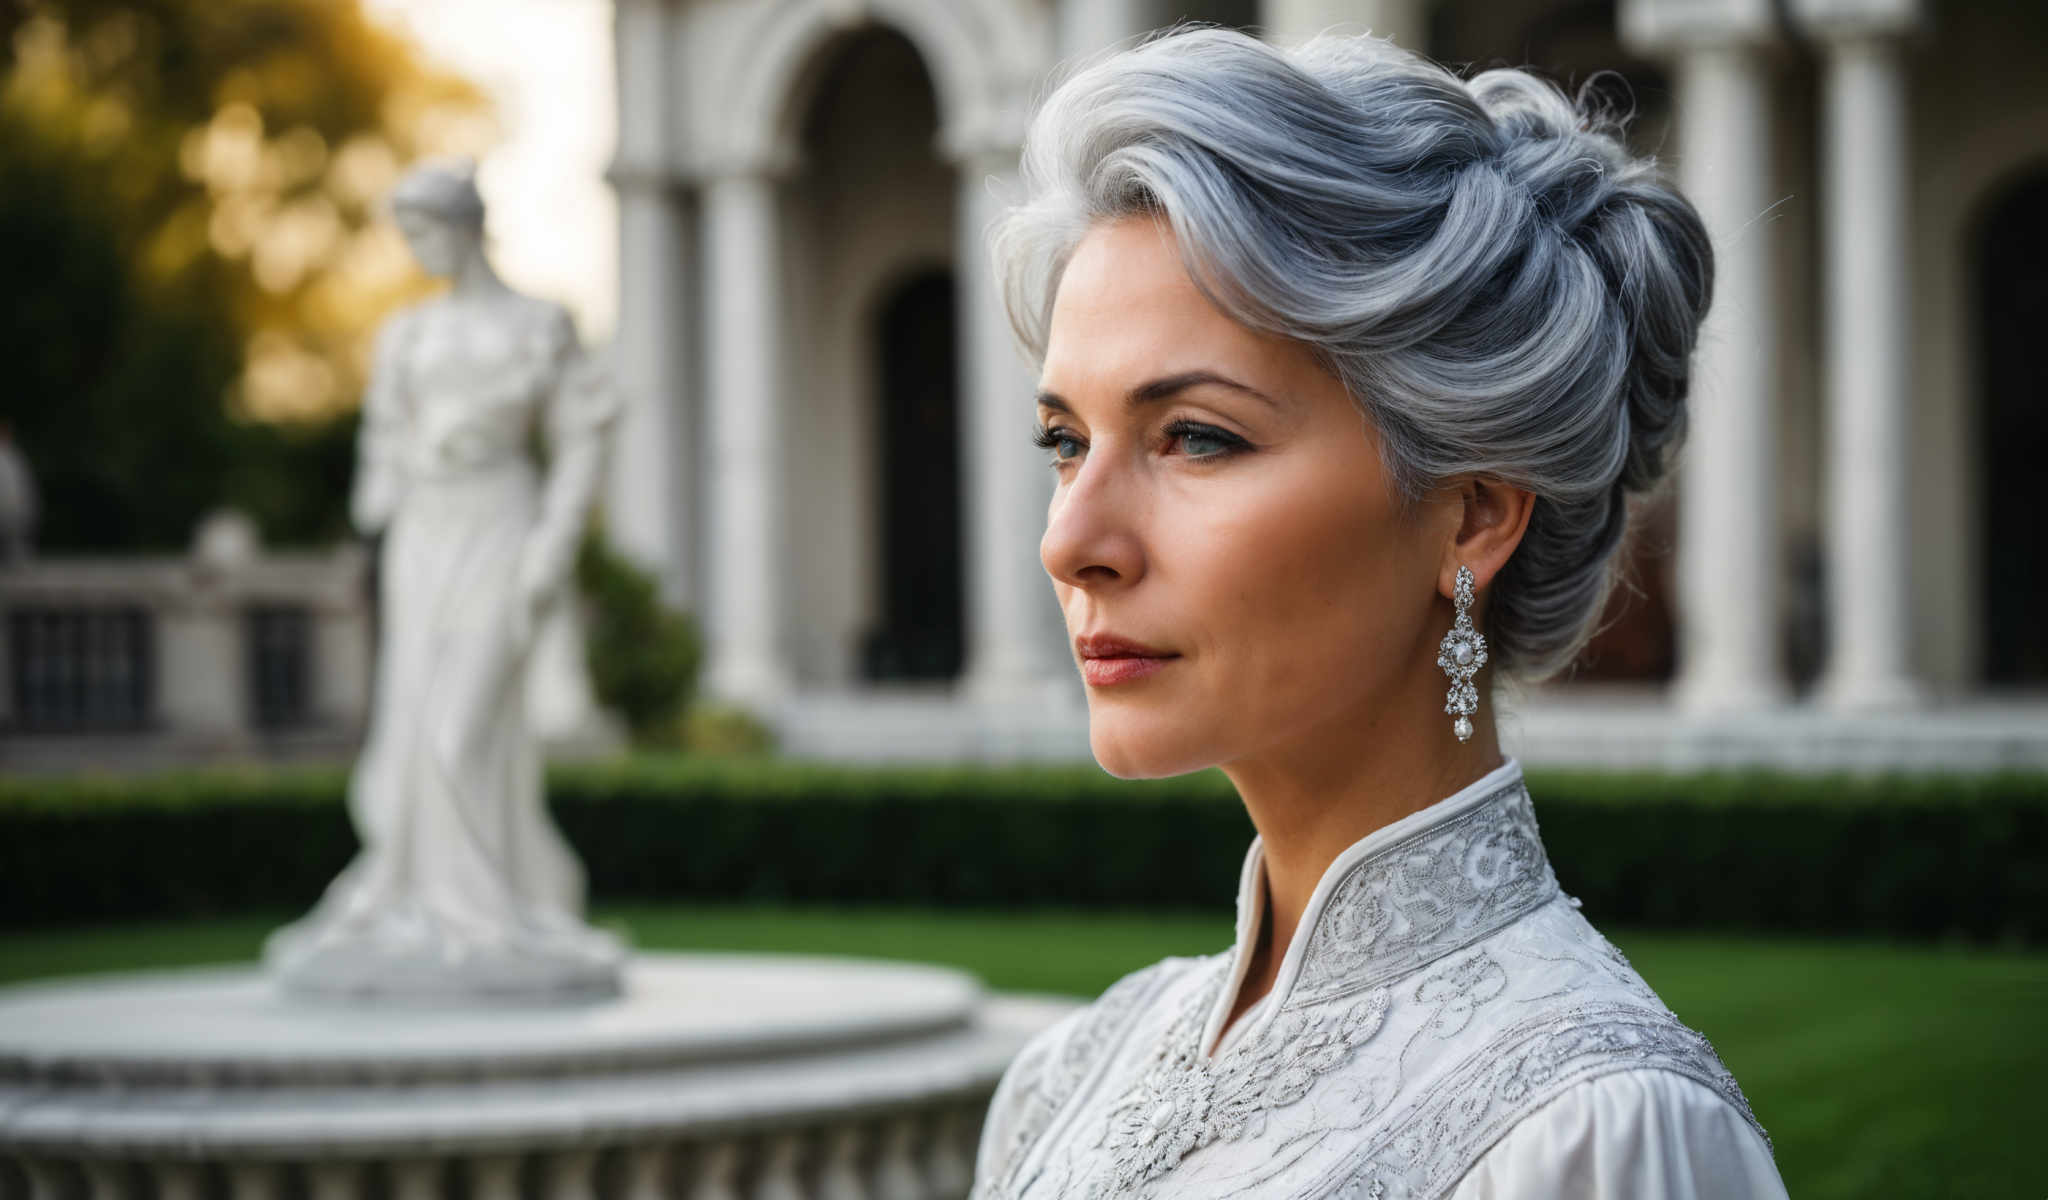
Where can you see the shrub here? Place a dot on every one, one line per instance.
(643, 655)
(724, 729)
(1907, 856)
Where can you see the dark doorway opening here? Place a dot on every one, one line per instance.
(921, 635)
(2012, 308)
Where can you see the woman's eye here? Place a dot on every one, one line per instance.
(1203, 441)
(1064, 445)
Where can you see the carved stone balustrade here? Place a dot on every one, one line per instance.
(713, 1078)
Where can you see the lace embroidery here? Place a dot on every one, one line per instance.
(1033, 1101)
(1366, 1187)
(1437, 1138)
(1046, 1086)
(1417, 900)
(1185, 1100)
(1458, 990)
(1488, 1033)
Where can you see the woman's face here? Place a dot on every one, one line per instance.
(1222, 510)
(438, 243)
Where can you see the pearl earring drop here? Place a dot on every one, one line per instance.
(1460, 655)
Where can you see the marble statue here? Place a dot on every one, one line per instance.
(463, 889)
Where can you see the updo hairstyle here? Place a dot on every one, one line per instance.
(1502, 288)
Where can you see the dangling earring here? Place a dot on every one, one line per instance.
(1460, 655)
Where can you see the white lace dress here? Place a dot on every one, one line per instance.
(1444, 1024)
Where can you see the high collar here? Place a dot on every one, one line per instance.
(1399, 898)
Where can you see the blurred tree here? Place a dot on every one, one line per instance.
(188, 217)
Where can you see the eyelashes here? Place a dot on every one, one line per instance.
(1189, 433)
(1198, 441)
(1056, 440)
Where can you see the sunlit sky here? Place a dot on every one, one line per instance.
(547, 65)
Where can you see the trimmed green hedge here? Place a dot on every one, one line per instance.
(1900, 855)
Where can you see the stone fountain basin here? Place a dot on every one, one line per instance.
(214, 1064)
(228, 1026)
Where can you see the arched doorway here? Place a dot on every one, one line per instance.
(874, 466)
(917, 431)
(2011, 271)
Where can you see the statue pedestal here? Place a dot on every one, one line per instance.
(398, 957)
(707, 1072)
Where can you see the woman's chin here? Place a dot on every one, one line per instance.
(1130, 747)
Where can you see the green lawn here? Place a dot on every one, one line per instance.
(1879, 1070)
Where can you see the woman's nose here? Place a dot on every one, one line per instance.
(1092, 537)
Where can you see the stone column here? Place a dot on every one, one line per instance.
(202, 667)
(747, 577)
(1405, 21)
(1869, 338)
(649, 493)
(649, 509)
(1728, 570)
(1013, 623)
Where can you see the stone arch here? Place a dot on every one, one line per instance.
(864, 194)
(979, 53)
(1957, 177)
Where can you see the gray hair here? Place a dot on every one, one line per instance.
(1502, 288)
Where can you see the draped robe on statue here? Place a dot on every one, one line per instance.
(1444, 1024)
(463, 886)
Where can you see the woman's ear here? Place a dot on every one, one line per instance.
(1493, 517)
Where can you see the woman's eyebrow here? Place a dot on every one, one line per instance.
(1163, 388)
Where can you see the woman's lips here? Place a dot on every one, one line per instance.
(1101, 672)
(1107, 659)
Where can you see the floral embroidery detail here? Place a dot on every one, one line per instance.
(1049, 1073)
(1446, 945)
(1434, 893)
(1439, 1136)
(1186, 1100)
(1458, 989)
(1365, 1187)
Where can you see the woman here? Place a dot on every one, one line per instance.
(1348, 369)
(463, 890)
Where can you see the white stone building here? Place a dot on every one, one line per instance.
(826, 453)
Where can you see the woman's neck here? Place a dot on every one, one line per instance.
(1313, 798)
